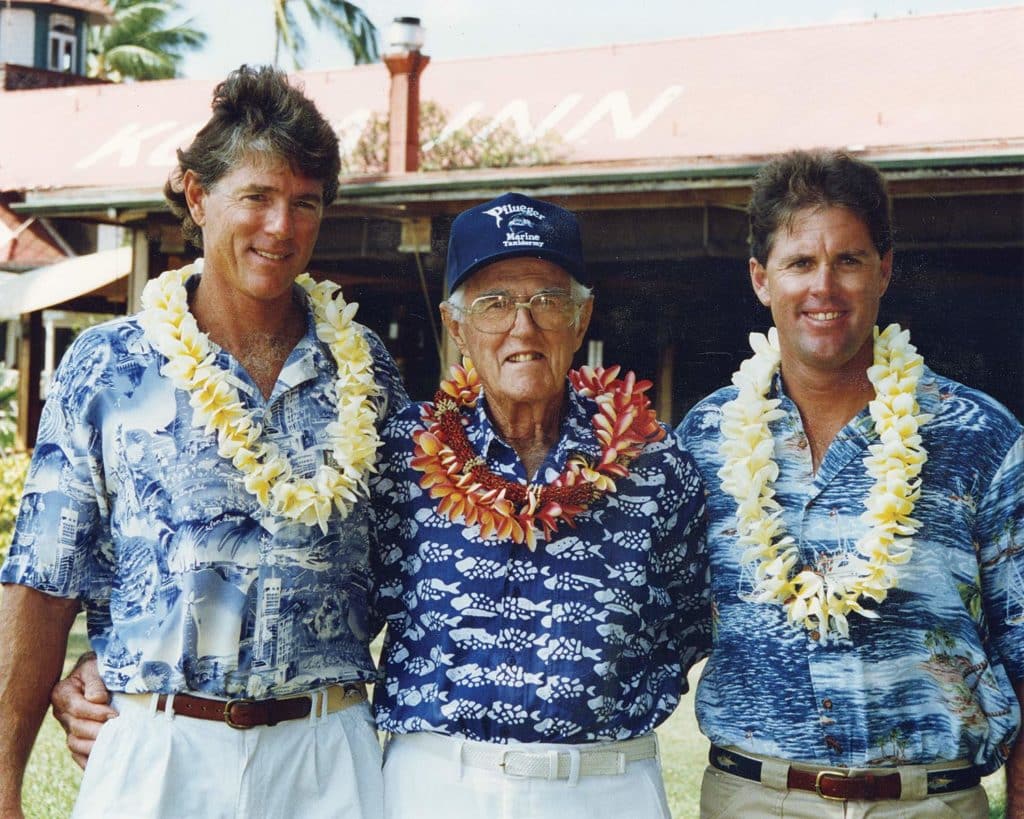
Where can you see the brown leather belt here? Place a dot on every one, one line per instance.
(841, 785)
(244, 713)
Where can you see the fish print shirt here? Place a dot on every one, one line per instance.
(930, 679)
(188, 584)
(587, 638)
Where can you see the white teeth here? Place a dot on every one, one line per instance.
(275, 256)
(519, 357)
(824, 316)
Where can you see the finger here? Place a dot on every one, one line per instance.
(80, 747)
(80, 760)
(82, 729)
(82, 710)
(96, 691)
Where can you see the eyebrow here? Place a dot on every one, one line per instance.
(544, 290)
(256, 188)
(798, 256)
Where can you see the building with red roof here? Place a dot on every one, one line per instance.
(655, 146)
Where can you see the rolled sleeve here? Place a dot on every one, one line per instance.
(998, 534)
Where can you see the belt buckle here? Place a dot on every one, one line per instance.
(227, 713)
(817, 784)
(503, 762)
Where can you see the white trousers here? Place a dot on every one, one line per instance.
(147, 763)
(425, 778)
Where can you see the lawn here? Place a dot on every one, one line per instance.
(52, 778)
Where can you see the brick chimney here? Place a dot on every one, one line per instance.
(405, 64)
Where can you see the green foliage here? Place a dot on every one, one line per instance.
(349, 21)
(477, 144)
(13, 466)
(141, 43)
(13, 469)
(8, 410)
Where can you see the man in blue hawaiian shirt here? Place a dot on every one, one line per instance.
(539, 553)
(195, 488)
(865, 524)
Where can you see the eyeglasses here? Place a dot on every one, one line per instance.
(497, 314)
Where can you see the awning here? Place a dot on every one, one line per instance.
(57, 283)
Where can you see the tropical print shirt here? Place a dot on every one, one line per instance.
(930, 679)
(587, 638)
(188, 583)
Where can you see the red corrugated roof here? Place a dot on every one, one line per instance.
(942, 85)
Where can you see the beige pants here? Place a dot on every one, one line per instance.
(724, 796)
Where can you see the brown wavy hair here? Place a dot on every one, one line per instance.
(256, 113)
(802, 179)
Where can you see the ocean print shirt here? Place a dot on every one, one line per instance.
(587, 638)
(930, 679)
(188, 584)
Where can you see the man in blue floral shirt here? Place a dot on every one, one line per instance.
(539, 548)
(865, 533)
(196, 488)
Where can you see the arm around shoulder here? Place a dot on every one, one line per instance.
(33, 638)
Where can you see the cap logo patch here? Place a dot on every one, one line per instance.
(505, 210)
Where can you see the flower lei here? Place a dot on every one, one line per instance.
(470, 492)
(217, 407)
(819, 600)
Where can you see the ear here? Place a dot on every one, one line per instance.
(195, 196)
(759, 281)
(454, 327)
(586, 311)
(886, 272)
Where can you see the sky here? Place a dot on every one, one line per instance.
(476, 28)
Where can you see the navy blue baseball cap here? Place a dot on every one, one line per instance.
(513, 225)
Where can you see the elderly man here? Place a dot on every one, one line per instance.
(539, 553)
(195, 488)
(864, 538)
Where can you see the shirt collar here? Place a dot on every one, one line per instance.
(306, 362)
(575, 434)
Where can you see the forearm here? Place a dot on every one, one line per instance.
(33, 637)
(1015, 770)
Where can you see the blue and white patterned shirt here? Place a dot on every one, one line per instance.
(188, 584)
(588, 638)
(930, 679)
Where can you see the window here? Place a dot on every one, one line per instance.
(62, 43)
(17, 43)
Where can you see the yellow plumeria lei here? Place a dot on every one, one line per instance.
(821, 600)
(217, 406)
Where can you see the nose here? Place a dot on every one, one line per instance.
(823, 278)
(523, 322)
(280, 222)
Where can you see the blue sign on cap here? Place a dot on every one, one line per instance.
(513, 225)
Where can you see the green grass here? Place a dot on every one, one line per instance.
(52, 779)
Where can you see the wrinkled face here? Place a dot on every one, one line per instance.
(525, 364)
(259, 224)
(823, 282)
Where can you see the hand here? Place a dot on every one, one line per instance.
(81, 705)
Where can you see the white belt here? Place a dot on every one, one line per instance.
(567, 762)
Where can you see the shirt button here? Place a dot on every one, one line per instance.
(802, 443)
(826, 704)
(510, 659)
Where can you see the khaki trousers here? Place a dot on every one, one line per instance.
(725, 796)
